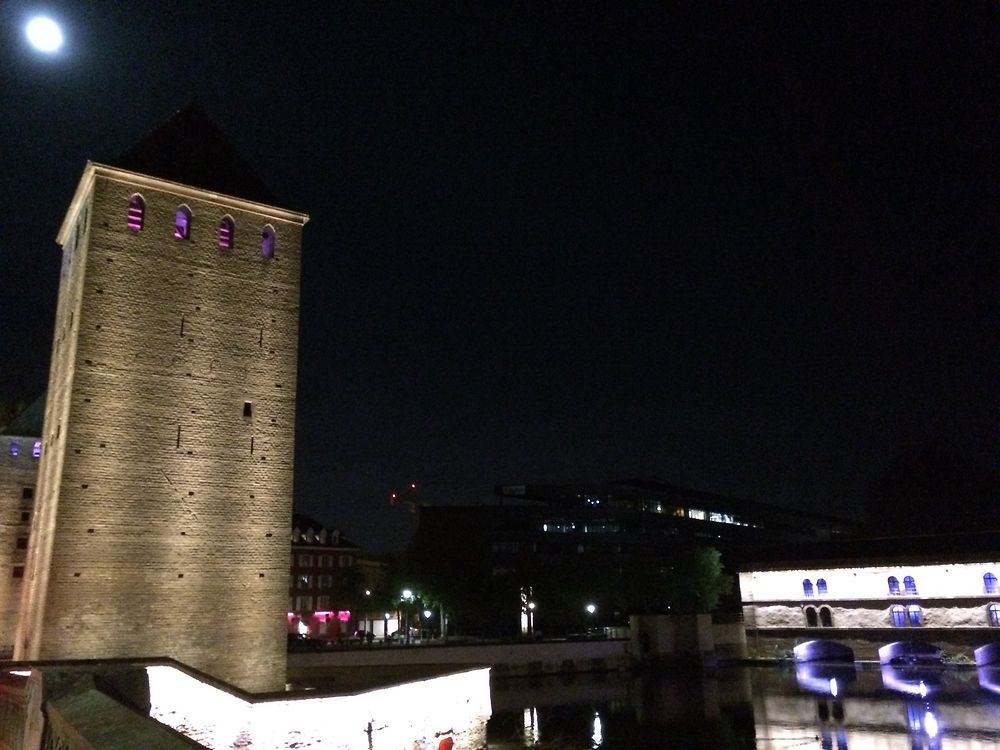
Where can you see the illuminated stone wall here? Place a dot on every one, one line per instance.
(952, 599)
(17, 487)
(163, 508)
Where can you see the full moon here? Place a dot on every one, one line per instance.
(44, 34)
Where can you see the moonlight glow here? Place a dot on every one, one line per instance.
(44, 34)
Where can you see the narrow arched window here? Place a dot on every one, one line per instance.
(909, 585)
(893, 585)
(807, 587)
(820, 585)
(811, 619)
(267, 241)
(226, 229)
(182, 223)
(825, 617)
(136, 212)
(990, 582)
(915, 615)
(898, 614)
(993, 613)
(36, 450)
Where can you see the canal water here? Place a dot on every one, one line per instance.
(864, 707)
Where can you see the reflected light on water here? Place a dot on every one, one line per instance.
(598, 737)
(931, 725)
(532, 735)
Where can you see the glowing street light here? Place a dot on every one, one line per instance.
(591, 608)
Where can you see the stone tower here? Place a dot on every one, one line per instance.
(164, 494)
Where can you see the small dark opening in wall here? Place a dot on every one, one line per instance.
(269, 535)
(22, 542)
(260, 575)
(25, 515)
(247, 409)
(190, 494)
(180, 575)
(18, 571)
(90, 531)
(84, 486)
(178, 436)
(27, 493)
(76, 575)
(251, 446)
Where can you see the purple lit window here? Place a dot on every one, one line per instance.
(893, 585)
(915, 615)
(898, 615)
(909, 585)
(15, 448)
(267, 241)
(36, 451)
(990, 582)
(182, 224)
(226, 228)
(807, 587)
(993, 612)
(820, 585)
(136, 212)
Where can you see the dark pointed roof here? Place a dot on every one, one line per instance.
(29, 422)
(190, 149)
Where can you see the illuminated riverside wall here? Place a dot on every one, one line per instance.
(165, 488)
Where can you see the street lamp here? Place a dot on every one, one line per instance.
(407, 598)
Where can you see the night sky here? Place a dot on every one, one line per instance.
(747, 249)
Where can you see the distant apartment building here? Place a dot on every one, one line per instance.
(20, 451)
(614, 519)
(326, 585)
(870, 592)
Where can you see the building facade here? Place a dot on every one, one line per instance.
(942, 590)
(19, 457)
(325, 585)
(164, 493)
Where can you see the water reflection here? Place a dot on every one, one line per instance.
(835, 707)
